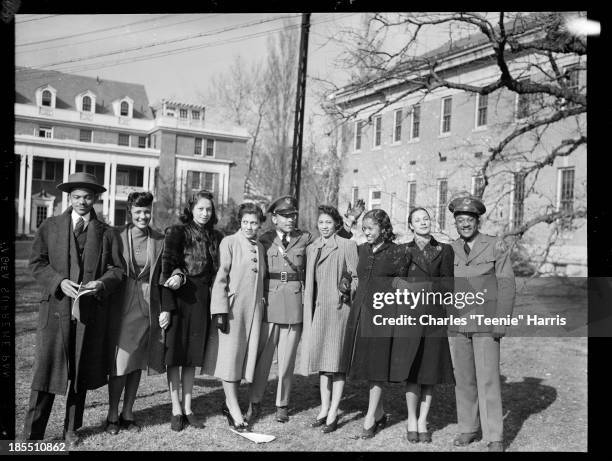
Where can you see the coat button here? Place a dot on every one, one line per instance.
(254, 269)
(253, 250)
(254, 260)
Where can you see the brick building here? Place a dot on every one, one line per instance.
(422, 149)
(66, 123)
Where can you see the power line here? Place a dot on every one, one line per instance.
(37, 19)
(93, 31)
(166, 42)
(117, 35)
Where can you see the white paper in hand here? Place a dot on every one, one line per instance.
(255, 437)
(76, 311)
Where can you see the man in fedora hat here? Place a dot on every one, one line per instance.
(482, 264)
(72, 252)
(282, 324)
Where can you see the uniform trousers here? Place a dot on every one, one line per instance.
(477, 389)
(285, 338)
(41, 402)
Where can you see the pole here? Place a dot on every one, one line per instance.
(300, 98)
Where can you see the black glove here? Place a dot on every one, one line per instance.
(221, 322)
(345, 287)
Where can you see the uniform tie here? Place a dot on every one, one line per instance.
(466, 248)
(78, 228)
(284, 240)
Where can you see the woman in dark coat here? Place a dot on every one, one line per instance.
(427, 358)
(373, 353)
(135, 337)
(193, 248)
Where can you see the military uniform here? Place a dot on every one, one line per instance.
(484, 267)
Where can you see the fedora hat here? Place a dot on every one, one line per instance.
(81, 180)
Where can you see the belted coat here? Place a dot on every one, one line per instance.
(50, 263)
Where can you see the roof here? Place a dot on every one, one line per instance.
(68, 86)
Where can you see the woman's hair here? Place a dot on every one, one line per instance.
(414, 210)
(187, 215)
(251, 208)
(333, 213)
(381, 218)
(139, 199)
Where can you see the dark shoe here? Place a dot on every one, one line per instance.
(111, 427)
(412, 436)
(495, 446)
(193, 421)
(465, 439)
(371, 431)
(425, 437)
(253, 412)
(331, 427)
(319, 422)
(242, 427)
(176, 423)
(72, 439)
(128, 424)
(282, 414)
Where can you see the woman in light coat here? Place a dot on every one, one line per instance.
(331, 277)
(237, 310)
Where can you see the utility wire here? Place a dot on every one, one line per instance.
(37, 19)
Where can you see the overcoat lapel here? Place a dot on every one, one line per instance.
(459, 251)
(64, 234)
(480, 245)
(328, 249)
(295, 236)
(418, 258)
(155, 251)
(92, 250)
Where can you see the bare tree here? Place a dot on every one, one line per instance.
(536, 61)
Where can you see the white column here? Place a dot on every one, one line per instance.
(152, 178)
(145, 178)
(107, 172)
(113, 191)
(73, 162)
(65, 178)
(22, 187)
(226, 186)
(28, 193)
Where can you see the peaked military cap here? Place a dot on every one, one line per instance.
(467, 204)
(285, 205)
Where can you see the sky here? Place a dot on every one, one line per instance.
(175, 56)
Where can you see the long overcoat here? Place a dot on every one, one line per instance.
(155, 361)
(325, 340)
(237, 291)
(50, 264)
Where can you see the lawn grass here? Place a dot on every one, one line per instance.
(544, 394)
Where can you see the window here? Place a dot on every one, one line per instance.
(523, 103)
(198, 146)
(124, 139)
(481, 112)
(416, 121)
(127, 176)
(442, 198)
(153, 141)
(377, 131)
(358, 132)
(411, 198)
(202, 180)
(375, 198)
(183, 114)
(477, 186)
(86, 104)
(210, 147)
(41, 215)
(37, 171)
(47, 170)
(518, 198)
(125, 109)
(142, 142)
(354, 195)
(195, 114)
(46, 98)
(397, 132)
(447, 106)
(45, 132)
(566, 196)
(85, 135)
(573, 78)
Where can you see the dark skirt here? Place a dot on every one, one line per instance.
(186, 336)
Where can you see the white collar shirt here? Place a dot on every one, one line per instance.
(75, 217)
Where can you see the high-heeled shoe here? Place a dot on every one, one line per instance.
(242, 427)
(371, 431)
(331, 427)
(319, 422)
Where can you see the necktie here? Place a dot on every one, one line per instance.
(78, 228)
(284, 241)
(466, 248)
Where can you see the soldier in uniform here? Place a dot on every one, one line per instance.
(281, 328)
(482, 263)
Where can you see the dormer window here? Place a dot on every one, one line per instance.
(47, 98)
(125, 109)
(86, 104)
